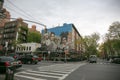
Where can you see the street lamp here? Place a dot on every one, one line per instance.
(49, 54)
(6, 47)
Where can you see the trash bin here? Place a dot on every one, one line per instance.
(9, 74)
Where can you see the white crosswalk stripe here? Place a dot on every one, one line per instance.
(52, 72)
(100, 63)
(28, 77)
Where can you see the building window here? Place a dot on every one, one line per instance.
(24, 48)
(27, 48)
(17, 48)
(30, 48)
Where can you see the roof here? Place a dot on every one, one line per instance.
(65, 28)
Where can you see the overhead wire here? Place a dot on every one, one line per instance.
(23, 11)
(31, 21)
(24, 20)
(10, 8)
(19, 8)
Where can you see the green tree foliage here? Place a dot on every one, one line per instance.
(111, 44)
(114, 30)
(112, 47)
(34, 37)
(91, 43)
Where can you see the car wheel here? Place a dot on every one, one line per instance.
(35, 62)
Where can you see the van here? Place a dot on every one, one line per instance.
(93, 59)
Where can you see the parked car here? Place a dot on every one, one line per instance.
(15, 56)
(19, 64)
(93, 59)
(38, 58)
(7, 62)
(116, 60)
(30, 59)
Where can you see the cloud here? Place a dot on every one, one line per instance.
(87, 15)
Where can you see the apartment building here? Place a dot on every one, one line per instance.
(65, 36)
(14, 32)
(4, 17)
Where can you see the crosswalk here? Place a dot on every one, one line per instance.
(52, 72)
(105, 63)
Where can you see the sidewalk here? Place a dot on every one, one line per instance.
(2, 76)
(43, 61)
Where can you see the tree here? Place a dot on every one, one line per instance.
(91, 43)
(114, 30)
(34, 37)
(111, 48)
(111, 45)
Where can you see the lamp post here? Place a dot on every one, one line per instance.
(66, 52)
(6, 47)
(49, 55)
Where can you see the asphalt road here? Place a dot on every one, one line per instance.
(47, 71)
(101, 70)
(96, 71)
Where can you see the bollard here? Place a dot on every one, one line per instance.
(9, 74)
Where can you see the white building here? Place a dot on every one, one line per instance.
(27, 47)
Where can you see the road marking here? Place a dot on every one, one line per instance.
(62, 78)
(57, 71)
(41, 75)
(46, 72)
(59, 67)
(100, 63)
(28, 77)
(60, 72)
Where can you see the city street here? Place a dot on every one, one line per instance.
(71, 39)
(101, 70)
(47, 71)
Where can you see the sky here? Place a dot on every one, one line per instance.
(88, 16)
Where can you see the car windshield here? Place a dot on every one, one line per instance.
(6, 59)
(92, 56)
(35, 56)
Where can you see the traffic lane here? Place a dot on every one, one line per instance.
(96, 72)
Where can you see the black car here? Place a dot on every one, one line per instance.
(30, 59)
(116, 60)
(15, 56)
(7, 62)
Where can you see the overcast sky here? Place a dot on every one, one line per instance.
(88, 16)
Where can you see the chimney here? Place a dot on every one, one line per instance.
(34, 27)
